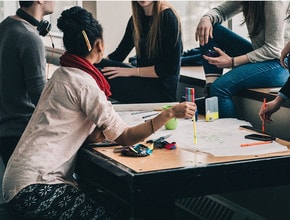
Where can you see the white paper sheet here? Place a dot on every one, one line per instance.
(222, 137)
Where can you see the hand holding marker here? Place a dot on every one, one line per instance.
(190, 96)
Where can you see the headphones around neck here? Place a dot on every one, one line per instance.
(43, 26)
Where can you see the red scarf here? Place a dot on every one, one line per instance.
(71, 60)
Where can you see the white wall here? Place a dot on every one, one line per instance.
(113, 15)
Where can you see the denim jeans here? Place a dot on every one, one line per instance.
(251, 75)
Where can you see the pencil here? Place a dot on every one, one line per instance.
(147, 116)
(194, 130)
(103, 144)
(263, 122)
(256, 143)
(136, 113)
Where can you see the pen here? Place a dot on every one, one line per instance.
(256, 143)
(136, 113)
(263, 122)
(146, 116)
(194, 129)
(103, 144)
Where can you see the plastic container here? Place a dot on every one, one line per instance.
(211, 108)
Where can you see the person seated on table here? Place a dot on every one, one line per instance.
(154, 31)
(254, 63)
(73, 108)
(271, 107)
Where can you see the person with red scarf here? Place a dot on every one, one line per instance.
(73, 108)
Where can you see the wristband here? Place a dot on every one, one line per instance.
(233, 62)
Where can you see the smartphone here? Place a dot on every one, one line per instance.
(212, 53)
(260, 137)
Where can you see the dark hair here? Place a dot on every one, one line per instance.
(25, 4)
(254, 14)
(154, 37)
(73, 22)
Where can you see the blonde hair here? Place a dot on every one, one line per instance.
(154, 35)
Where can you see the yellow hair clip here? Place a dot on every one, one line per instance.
(87, 40)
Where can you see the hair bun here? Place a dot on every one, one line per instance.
(73, 20)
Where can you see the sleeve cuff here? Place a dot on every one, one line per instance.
(283, 96)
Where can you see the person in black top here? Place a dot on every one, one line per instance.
(154, 31)
(284, 93)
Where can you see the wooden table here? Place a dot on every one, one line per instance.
(151, 184)
(148, 186)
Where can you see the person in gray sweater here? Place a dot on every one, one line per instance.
(22, 70)
(255, 62)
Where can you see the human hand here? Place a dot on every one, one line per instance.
(184, 110)
(266, 112)
(204, 30)
(113, 72)
(284, 53)
(221, 61)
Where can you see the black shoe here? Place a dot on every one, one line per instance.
(191, 52)
(207, 90)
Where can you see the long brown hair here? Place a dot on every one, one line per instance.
(254, 13)
(154, 35)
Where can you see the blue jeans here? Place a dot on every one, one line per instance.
(251, 75)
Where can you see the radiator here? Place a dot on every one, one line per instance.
(215, 208)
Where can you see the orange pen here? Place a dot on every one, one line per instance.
(263, 122)
(256, 143)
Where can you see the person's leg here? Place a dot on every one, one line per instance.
(191, 57)
(228, 41)
(107, 62)
(7, 146)
(252, 75)
(140, 90)
(62, 201)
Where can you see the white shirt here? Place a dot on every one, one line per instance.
(70, 107)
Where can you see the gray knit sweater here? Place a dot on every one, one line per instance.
(269, 43)
(22, 74)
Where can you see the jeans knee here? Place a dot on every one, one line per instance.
(220, 89)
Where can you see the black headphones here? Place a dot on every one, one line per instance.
(43, 26)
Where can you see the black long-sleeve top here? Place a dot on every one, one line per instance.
(285, 90)
(166, 64)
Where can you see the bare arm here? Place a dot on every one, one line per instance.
(271, 107)
(113, 72)
(135, 134)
